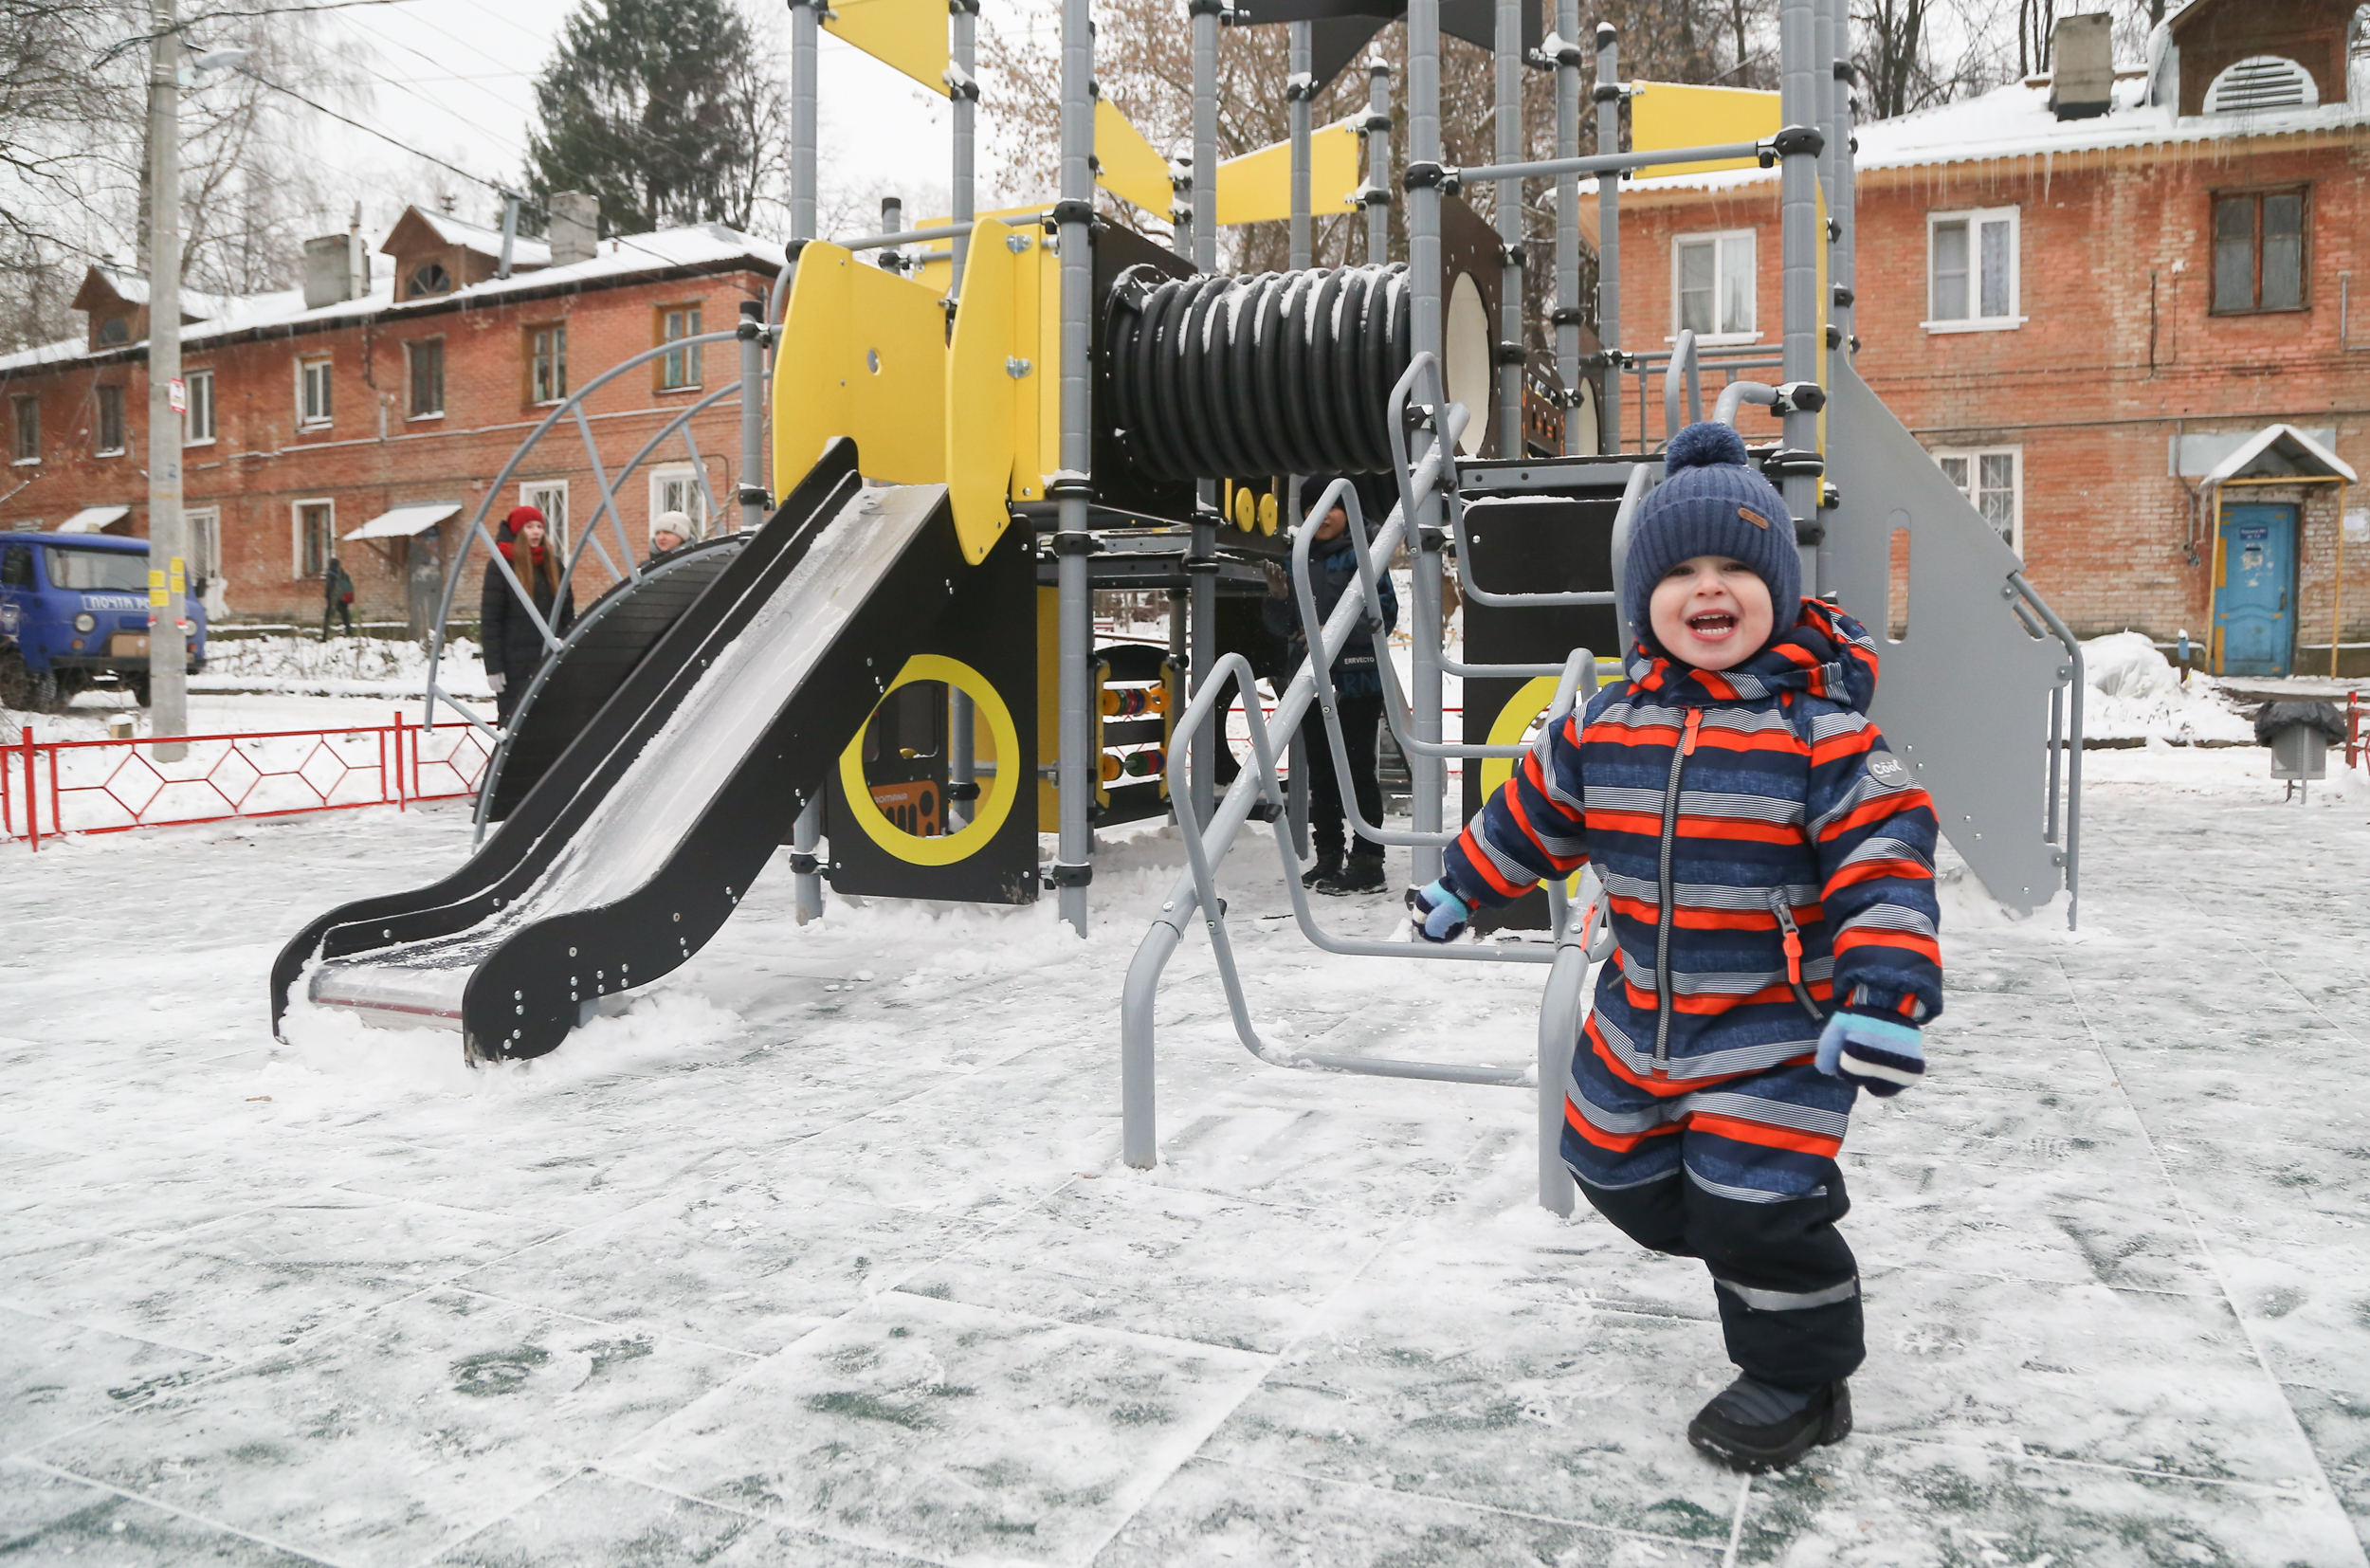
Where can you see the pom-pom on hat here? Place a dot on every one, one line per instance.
(1712, 501)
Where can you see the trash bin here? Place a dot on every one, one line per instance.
(2299, 734)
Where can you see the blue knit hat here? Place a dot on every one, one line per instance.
(1712, 501)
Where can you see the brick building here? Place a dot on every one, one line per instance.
(367, 417)
(2083, 297)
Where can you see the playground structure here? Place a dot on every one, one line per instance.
(887, 660)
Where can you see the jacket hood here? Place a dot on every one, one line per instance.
(1825, 653)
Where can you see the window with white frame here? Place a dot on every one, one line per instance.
(312, 392)
(198, 426)
(550, 498)
(677, 368)
(315, 525)
(677, 489)
(205, 524)
(1992, 479)
(1711, 286)
(1971, 271)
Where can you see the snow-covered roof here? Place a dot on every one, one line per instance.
(2288, 450)
(2016, 122)
(619, 261)
(524, 253)
(131, 288)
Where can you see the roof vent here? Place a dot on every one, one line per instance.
(2261, 82)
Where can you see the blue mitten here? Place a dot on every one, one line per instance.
(1440, 915)
(1882, 1055)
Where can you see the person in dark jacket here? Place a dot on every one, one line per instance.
(514, 648)
(1357, 686)
(337, 596)
(1768, 867)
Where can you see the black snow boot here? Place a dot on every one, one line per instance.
(1357, 874)
(1753, 1425)
(1328, 865)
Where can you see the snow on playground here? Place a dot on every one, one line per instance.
(821, 1254)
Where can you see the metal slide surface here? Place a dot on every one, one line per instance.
(633, 848)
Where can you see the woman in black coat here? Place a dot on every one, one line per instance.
(514, 648)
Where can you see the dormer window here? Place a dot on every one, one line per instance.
(427, 279)
(2259, 84)
(115, 329)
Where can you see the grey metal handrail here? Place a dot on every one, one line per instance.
(2072, 851)
(1684, 365)
(1736, 394)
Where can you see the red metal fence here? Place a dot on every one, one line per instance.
(54, 787)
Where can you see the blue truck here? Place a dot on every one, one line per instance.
(74, 615)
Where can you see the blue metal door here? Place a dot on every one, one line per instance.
(2255, 589)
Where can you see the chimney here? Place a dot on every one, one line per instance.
(328, 270)
(2082, 67)
(573, 232)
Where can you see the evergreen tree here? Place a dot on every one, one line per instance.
(639, 106)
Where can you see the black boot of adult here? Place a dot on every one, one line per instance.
(1360, 873)
(1328, 866)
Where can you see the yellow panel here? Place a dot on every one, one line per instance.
(906, 35)
(981, 392)
(865, 355)
(1257, 187)
(1665, 113)
(1131, 170)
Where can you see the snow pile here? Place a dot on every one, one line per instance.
(2135, 693)
(343, 666)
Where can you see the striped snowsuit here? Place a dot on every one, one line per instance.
(1718, 810)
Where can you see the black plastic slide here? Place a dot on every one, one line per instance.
(634, 845)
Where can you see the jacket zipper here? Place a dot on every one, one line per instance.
(1662, 920)
(1793, 937)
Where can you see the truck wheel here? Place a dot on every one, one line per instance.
(16, 683)
(139, 690)
(47, 697)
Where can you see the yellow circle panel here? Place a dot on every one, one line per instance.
(994, 806)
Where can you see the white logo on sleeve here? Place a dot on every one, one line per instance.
(1888, 769)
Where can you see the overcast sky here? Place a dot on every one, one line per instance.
(455, 78)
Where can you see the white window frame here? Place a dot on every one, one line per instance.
(410, 371)
(538, 494)
(204, 525)
(306, 418)
(1717, 240)
(296, 534)
(695, 499)
(16, 428)
(201, 395)
(691, 360)
(1975, 218)
(556, 334)
(1972, 489)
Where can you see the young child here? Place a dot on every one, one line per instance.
(1769, 868)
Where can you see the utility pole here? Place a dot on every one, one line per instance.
(168, 532)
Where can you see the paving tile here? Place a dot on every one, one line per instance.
(1872, 1501)
(1124, 1252)
(55, 1377)
(950, 1432)
(596, 1517)
(47, 1518)
(1250, 1516)
(727, 1261)
(427, 1419)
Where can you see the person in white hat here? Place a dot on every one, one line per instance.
(671, 532)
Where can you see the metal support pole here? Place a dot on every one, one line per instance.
(1201, 792)
(1609, 231)
(1298, 90)
(1841, 206)
(962, 764)
(806, 836)
(753, 498)
(1798, 221)
(1073, 862)
(1568, 219)
(1426, 774)
(1511, 337)
(168, 530)
(1377, 164)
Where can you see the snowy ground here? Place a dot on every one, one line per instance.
(823, 1255)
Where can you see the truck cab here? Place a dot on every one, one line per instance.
(74, 615)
